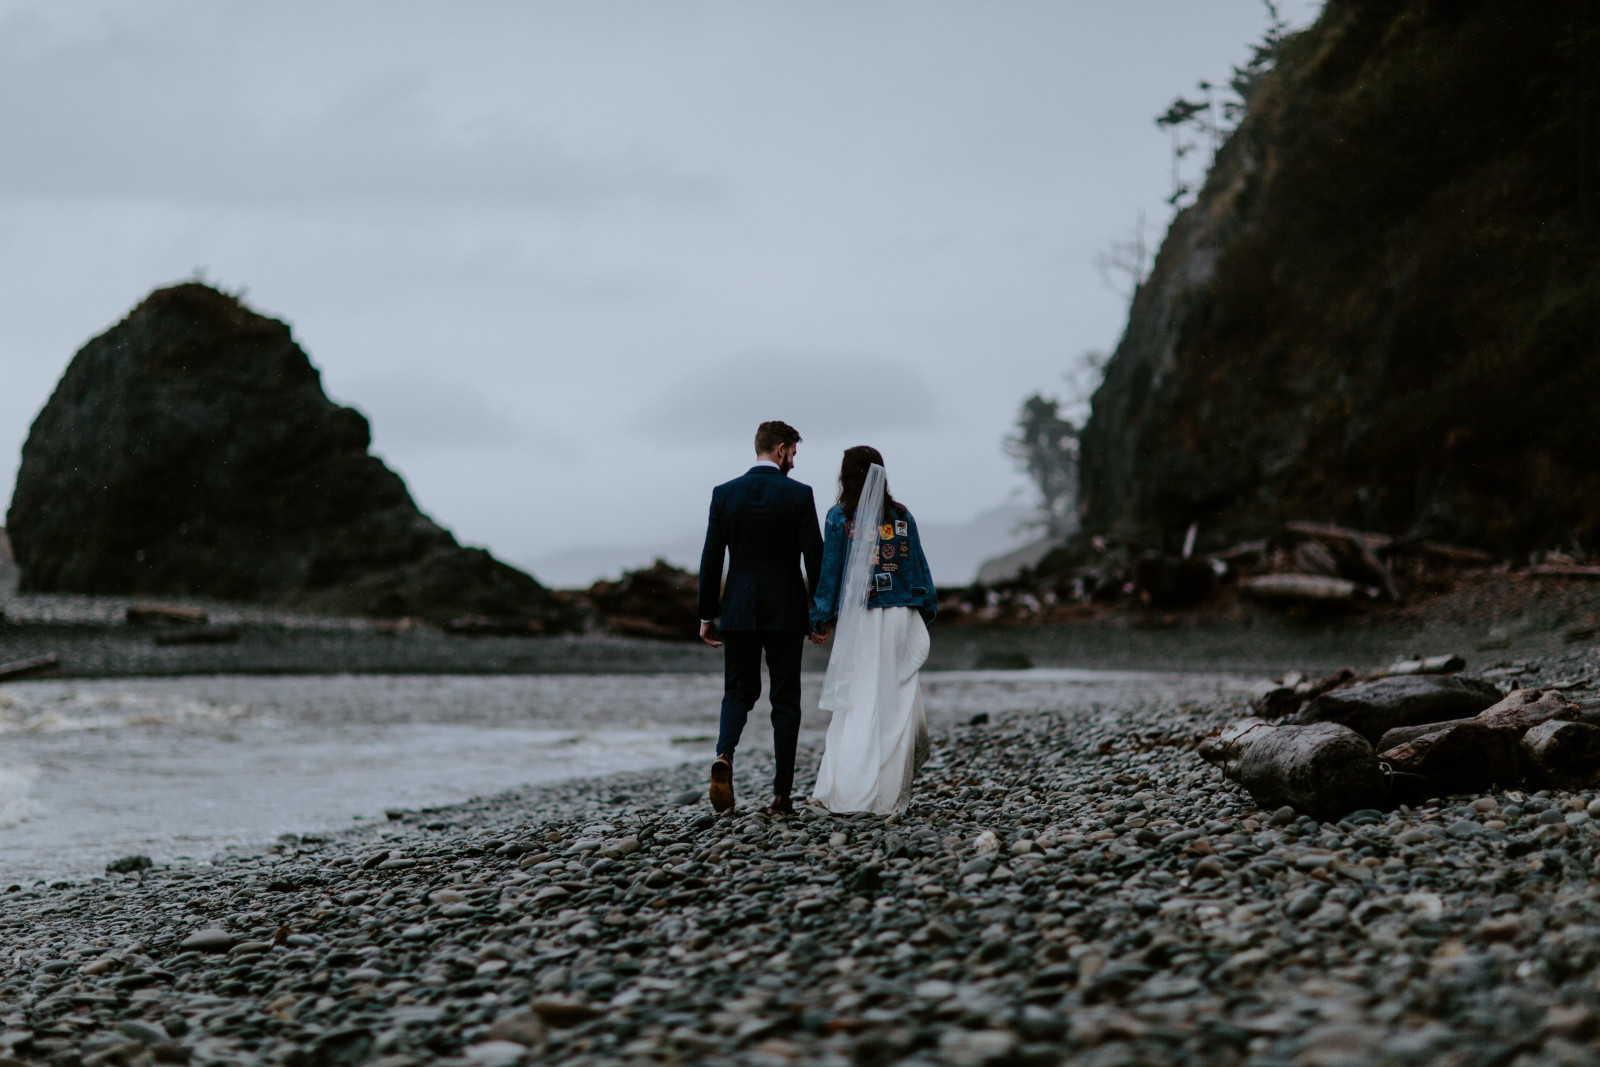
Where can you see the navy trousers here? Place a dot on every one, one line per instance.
(742, 688)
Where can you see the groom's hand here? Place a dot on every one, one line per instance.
(820, 637)
(708, 634)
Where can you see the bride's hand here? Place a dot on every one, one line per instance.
(820, 637)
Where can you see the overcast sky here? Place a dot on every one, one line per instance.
(565, 256)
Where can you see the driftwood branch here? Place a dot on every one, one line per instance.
(1301, 588)
(1373, 708)
(1521, 710)
(1463, 757)
(23, 668)
(1325, 770)
(1565, 755)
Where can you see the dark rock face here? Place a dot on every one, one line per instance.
(1383, 310)
(190, 450)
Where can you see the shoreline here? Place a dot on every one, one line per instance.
(89, 650)
(1067, 883)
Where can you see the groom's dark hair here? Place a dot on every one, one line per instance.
(769, 435)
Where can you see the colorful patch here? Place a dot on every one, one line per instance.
(887, 552)
(889, 568)
(882, 583)
(886, 532)
(905, 548)
(901, 529)
(849, 528)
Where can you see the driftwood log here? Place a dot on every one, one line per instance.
(1324, 770)
(24, 668)
(1523, 709)
(1373, 708)
(1301, 589)
(147, 613)
(1463, 757)
(1565, 755)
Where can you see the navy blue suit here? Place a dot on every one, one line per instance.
(766, 524)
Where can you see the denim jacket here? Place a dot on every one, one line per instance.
(900, 575)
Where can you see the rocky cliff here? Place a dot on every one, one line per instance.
(191, 451)
(1384, 308)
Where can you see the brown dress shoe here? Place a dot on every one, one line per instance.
(722, 783)
(780, 806)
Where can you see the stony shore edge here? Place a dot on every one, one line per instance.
(1072, 886)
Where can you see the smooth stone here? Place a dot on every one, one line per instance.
(563, 1011)
(209, 940)
(496, 1053)
(1303, 904)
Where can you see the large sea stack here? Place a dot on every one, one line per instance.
(1384, 308)
(191, 451)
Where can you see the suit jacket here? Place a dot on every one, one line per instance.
(767, 524)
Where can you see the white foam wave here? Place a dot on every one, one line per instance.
(16, 805)
(75, 710)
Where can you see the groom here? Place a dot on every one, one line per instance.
(766, 524)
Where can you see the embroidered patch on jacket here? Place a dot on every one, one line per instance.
(888, 552)
(886, 532)
(882, 582)
(901, 529)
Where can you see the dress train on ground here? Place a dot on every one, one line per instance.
(878, 739)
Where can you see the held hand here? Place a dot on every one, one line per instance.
(708, 634)
(820, 637)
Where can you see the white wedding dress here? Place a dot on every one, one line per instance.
(878, 738)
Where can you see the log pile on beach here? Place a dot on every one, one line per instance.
(1066, 886)
(1303, 568)
(660, 601)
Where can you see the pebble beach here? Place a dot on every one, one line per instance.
(1067, 886)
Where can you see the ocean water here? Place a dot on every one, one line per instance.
(179, 769)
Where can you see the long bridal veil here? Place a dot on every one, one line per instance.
(845, 666)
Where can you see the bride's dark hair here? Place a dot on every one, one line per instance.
(853, 474)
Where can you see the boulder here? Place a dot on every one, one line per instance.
(191, 451)
(1373, 708)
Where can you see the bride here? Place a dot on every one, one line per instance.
(876, 585)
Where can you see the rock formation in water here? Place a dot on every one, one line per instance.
(191, 451)
(1384, 308)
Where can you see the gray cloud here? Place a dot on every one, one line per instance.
(817, 393)
(156, 113)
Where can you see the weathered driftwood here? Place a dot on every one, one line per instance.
(1324, 770)
(22, 668)
(1425, 665)
(1301, 588)
(1329, 532)
(142, 613)
(1522, 710)
(1456, 554)
(1565, 755)
(1562, 570)
(1373, 708)
(1239, 551)
(1462, 757)
(1279, 701)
